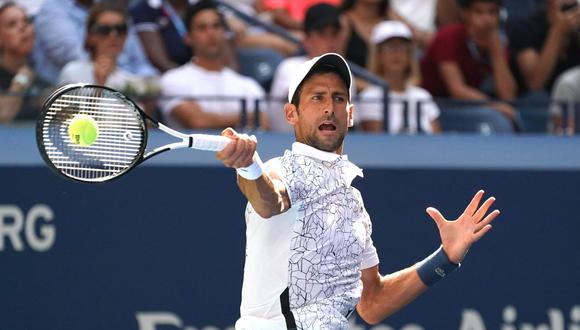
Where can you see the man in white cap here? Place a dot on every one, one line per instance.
(310, 259)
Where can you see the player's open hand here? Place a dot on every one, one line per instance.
(458, 235)
(240, 151)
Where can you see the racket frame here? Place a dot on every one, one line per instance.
(66, 88)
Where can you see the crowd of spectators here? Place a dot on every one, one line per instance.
(180, 58)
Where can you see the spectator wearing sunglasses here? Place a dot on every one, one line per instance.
(63, 23)
(105, 38)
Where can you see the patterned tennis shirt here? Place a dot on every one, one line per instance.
(303, 266)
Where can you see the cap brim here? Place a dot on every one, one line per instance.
(332, 60)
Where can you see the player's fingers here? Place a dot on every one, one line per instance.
(470, 209)
(238, 152)
(229, 132)
(436, 216)
(226, 152)
(487, 220)
(478, 235)
(244, 157)
(480, 213)
(251, 151)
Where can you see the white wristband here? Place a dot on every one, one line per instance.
(252, 172)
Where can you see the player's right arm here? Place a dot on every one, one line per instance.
(267, 194)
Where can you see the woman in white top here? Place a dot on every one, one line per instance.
(411, 108)
(106, 34)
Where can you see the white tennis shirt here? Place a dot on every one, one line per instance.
(307, 260)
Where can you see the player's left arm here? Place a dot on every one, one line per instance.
(384, 295)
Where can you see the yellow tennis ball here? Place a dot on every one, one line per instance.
(83, 130)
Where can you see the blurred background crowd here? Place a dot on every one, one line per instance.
(421, 66)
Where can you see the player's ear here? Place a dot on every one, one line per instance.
(350, 109)
(291, 113)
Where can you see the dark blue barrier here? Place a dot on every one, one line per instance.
(163, 247)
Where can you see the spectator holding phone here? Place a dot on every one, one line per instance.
(545, 44)
(469, 60)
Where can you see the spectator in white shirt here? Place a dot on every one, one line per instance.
(411, 108)
(204, 93)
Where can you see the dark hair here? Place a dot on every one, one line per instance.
(348, 4)
(7, 5)
(201, 5)
(97, 10)
(466, 4)
(320, 16)
(322, 69)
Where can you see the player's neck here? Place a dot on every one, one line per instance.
(209, 64)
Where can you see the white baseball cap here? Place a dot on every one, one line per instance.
(386, 30)
(332, 60)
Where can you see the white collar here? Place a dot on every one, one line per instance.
(306, 150)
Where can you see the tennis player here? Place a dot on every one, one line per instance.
(310, 259)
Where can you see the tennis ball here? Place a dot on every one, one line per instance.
(83, 130)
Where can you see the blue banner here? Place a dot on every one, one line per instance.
(163, 248)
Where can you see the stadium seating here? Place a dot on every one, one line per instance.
(260, 64)
(478, 119)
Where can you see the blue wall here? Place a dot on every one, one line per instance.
(167, 241)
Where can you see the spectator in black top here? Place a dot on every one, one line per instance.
(361, 17)
(545, 44)
(162, 32)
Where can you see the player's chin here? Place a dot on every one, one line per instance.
(328, 142)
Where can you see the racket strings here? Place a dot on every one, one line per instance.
(120, 139)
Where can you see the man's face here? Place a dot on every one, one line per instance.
(482, 18)
(207, 34)
(326, 40)
(323, 114)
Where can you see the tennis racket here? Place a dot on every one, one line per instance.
(122, 134)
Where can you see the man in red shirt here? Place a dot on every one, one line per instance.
(468, 60)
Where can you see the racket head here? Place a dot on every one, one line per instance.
(121, 140)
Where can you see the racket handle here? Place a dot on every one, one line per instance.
(208, 142)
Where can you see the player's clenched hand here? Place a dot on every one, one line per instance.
(240, 151)
(457, 236)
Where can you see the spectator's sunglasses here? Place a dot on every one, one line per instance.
(105, 30)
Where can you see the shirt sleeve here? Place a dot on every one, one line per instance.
(62, 36)
(565, 93)
(133, 58)
(430, 109)
(370, 106)
(445, 46)
(144, 17)
(370, 257)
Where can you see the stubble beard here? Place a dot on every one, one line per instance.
(328, 145)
